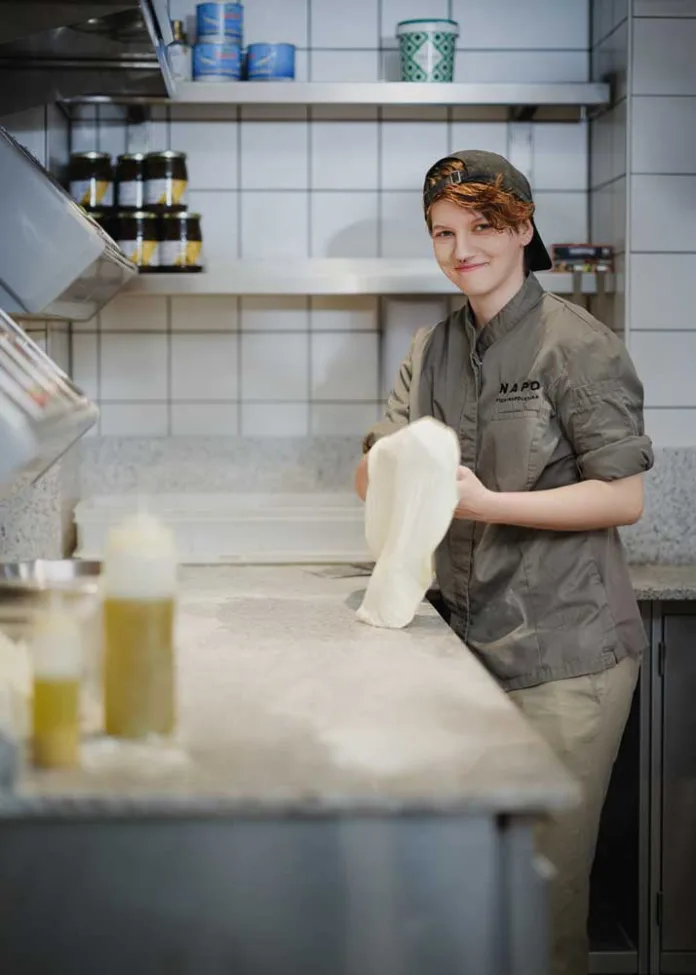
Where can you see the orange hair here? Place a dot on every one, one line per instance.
(503, 210)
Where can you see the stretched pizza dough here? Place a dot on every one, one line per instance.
(411, 495)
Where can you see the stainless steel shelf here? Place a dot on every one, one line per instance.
(391, 93)
(485, 101)
(329, 276)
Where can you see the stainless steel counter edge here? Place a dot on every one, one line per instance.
(650, 581)
(503, 802)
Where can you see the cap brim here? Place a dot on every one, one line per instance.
(538, 258)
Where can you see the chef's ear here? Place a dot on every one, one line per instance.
(525, 231)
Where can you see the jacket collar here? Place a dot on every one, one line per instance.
(516, 309)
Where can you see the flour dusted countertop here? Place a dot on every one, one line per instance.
(288, 704)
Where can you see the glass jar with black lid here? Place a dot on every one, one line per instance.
(181, 246)
(91, 179)
(130, 181)
(139, 238)
(166, 181)
(107, 220)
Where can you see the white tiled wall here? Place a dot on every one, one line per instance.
(44, 132)
(501, 40)
(279, 184)
(608, 148)
(662, 202)
(608, 133)
(663, 56)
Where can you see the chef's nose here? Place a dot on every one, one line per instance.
(464, 249)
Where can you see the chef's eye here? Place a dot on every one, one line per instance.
(480, 227)
(443, 233)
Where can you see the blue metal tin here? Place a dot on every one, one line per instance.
(219, 22)
(217, 62)
(271, 62)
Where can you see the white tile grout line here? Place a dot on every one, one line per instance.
(412, 189)
(603, 186)
(200, 332)
(628, 191)
(240, 324)
(46, 150)
(170, 384)
(310, 180)
(392, 44)
(380, 157)
(99, 375)
(269, 402)
(602, 40)
(309, 119)
(381, 301)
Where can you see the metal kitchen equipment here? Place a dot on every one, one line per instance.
(42, 413)
(54, 258)
(26, 589)
(42, 574)
(51, 49)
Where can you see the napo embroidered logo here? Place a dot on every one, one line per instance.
(527, 391)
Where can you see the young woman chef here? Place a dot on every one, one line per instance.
(548, 410)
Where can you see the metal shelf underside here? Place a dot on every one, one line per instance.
(485, 100)
(332, 276)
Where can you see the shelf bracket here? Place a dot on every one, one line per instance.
(523, 113)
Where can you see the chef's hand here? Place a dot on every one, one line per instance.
(474, 498)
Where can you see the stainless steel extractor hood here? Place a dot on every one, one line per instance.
(56, 49)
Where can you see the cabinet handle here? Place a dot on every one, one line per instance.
(661, 652)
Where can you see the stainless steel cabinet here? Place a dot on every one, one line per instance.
(643, 915)
(676, 896)
(616, 887)
(210, 894)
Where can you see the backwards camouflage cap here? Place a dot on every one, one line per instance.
(486, 167)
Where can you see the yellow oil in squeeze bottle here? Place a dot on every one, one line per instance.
(139, 587)
(57, 653)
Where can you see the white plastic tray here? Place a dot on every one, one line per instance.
(237, 528)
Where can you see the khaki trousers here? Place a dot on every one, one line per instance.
(582, 719)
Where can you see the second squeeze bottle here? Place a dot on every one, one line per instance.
(140, 569)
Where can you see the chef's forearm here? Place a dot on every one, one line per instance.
(585, 506)
(361, 478)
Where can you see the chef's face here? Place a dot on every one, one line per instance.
(475, 256)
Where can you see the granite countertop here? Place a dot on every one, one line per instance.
(666, 582)
(669, 582)
(289, 705)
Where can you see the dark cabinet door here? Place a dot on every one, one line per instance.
(679, 785)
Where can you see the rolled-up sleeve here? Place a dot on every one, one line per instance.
(397, 411)
(600, 406)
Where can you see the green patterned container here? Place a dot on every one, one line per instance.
(427, 49)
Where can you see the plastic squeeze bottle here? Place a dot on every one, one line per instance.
(57, 657)
(140, 569)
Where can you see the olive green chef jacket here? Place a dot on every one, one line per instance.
(544, 395)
